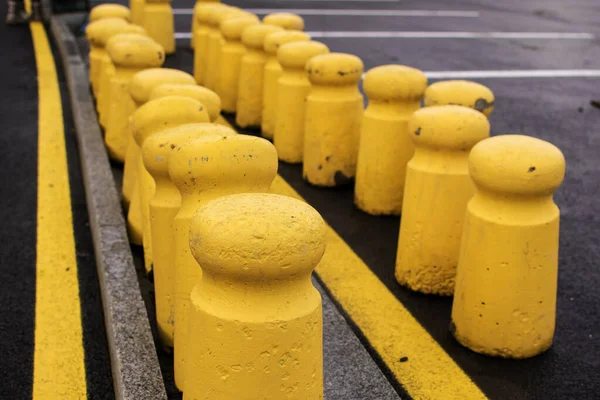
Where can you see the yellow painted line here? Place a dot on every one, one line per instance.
(429, 373)
(59, 370)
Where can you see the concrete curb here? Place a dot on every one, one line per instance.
(135, 368)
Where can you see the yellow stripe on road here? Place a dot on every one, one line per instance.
(427, 371)
(59, 371)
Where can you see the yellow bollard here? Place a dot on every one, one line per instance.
(231, 55)
(273, 71)
(150, 118)
(204, 169)
(251, 79)
(209, 99)
(201, 39)
(109, 11)
(93, 32)
(436, 194)
(164, 205)
(287, 21)
(334, 109)
(137, 11)
(505, 298)
(199, 4)
(256, 319)
(394, 93)
(140, 88)
(159, 22)
(292, 89)
(129, 57)
(461, 93)
(107, 72)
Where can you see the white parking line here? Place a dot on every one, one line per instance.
(535, 73)
(359, 13)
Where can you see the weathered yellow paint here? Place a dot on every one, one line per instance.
(129, 57)
(201, 39)
(109, 11)
(209, 99)
(251, 80)
(394, 93)
(505, 299)
(199, 4)
(153, 117)
(460, 93)
(292, 89)
(107, 72)
(273, 72)
(232, 51)
(159, 23)
(287, 21)
(137, 11)
(140, 88)
(93, 32)
(334, 109)
(436, 194)
(204, 169)
(429, 372)
(58, 356)
(255, 317)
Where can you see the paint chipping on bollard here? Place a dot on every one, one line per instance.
(461, 93)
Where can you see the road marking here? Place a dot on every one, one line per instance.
(59, 369)
(429, 373)
(451, 35)
(358, 13)
(535, 73)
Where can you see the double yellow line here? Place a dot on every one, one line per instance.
(59, 368)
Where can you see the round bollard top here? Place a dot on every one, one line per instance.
(109, 11)
(132, 28)
(285, 20)
(296, 54)
(106, 34)
(232, 28)
(207, 97)
(517, 164)
(163, 113)
(254, 36)
(240, 162)
(158, 147)
(448, 127)
(395, 83)
(204, 10)
(231, 13)
(145, 81)
(463, 93)
(277, 39)
(132, 50)
(335, 69)
(97, 29)
(216, 13)
(262, 236)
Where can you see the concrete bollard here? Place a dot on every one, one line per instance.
(251, 80)
(93, 32)
(164, 205)
(506, 283)
(287, 21)
(129, 56)
(199, 4)
(436, 194)
(292, 89)
(334, 109)
(137, 11)
(394, 93)
(272, 73)
(204, 169)
(231, 55)
(201, 39)
(159, 23)
(461, 93)
(256, 319)
(150, 118)
(108, 70)
(209, 99)
(110, 11)
(140, 88)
